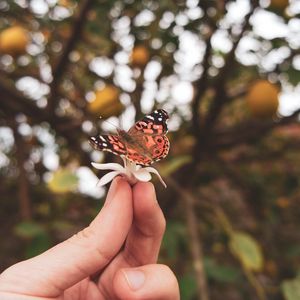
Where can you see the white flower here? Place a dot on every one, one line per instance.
(131, 171)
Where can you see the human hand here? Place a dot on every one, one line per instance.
(113, 258)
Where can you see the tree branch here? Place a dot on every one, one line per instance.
(196, 244)
(15, 102)
(221, 96)
(250, 131)
(200, 87)
(24, 197)
(61, 65)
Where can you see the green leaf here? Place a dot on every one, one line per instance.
(187, 286)
(38, 245)
(62, 225)
(28, 230)
(220, 273)
(63, 181)
(291, 289)
(39, 240)
(247, 250)
(293, 251)
(173, 237)
(294, 76)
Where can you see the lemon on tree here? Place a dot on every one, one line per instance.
(14, 40)
(279, 4)
(106, 102)
(140, 56)
(262, 99)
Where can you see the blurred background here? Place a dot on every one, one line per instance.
(228, 74)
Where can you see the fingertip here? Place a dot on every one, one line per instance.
(143, 190)
(118, 185)
(145, 205)
(144, 185)
(146, 282)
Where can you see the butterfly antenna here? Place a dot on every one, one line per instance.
(109, 122)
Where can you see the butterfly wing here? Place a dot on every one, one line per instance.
(139, 157)
(115, 145)
(150, 136)
(154, 123)
(110, 143)
(143, 144)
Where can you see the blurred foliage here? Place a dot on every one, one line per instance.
(291, 289)
(247, 250)
(232, 203)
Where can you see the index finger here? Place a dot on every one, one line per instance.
(80, 256)
(145, 236)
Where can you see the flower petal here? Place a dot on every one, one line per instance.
(108, 166)
(152, 170)
(108, 177)
(142, 175)
(124, 160)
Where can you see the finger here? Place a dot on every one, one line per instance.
(144, 239)
(83, 254)
(146, 282)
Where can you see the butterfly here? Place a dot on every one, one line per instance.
(144, 143)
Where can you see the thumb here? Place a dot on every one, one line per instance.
(80, 256)
(146, 282)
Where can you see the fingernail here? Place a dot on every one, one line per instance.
(134, 278)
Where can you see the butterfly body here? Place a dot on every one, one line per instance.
(144, 143)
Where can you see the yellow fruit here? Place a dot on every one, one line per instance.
(63, 181)
(262, 99)
(140, 56)
(14, 40)
(106, 102)
(279, 4)
(65, 3)
(283, 202)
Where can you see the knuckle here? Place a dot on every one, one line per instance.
(104, 257)
(86, 233)
(82, 236)
(87, 239)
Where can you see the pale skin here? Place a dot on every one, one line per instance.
(115, 257)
